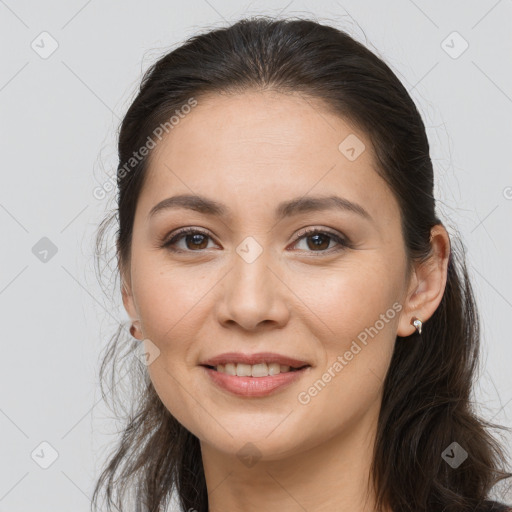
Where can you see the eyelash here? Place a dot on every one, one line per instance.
(343, 243)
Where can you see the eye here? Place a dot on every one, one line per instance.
(320, 240)
(316, 240)
(194, 239)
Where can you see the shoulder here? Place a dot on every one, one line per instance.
(494, 506)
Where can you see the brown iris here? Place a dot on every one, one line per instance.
(320, 241)
(198, 240)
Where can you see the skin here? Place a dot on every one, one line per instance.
(252, 151)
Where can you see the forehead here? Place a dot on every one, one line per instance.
(259, 148)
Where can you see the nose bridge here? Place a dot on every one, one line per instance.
(252, 293)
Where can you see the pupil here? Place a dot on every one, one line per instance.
(196, 239)
(318, 244)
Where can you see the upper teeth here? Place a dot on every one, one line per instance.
(254, 370)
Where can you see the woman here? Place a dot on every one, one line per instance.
(309, 333)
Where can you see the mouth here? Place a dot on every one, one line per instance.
(262, 364)
(254, 375)
(254, 370)
(251, 381)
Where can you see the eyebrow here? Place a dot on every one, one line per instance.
(288, 208)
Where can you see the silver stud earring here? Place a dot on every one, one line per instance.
(417, 324)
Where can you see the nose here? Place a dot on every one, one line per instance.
(253, 295)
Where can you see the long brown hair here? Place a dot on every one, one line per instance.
(426, 403)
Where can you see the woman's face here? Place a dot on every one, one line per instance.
(248, 282)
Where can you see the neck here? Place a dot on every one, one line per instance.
(333, 475)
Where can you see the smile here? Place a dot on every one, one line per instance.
(241, 384)
(254, 370)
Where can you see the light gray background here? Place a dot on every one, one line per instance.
(59, 117)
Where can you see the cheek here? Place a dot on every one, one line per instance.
(169, 298)
(170, 306)
(346, 302)
(356, 314)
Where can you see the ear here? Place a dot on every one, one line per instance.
(427, 283)
(129, 301)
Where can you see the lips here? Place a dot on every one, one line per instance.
(254, 387)
(252, 359)
(245, 375)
